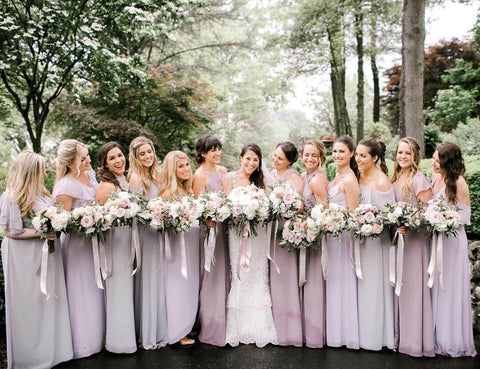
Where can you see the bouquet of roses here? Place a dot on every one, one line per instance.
(159, 210)
(298, 233)
(88, 220)
(214, 206)
(402, 214)
(250, 206)
(284, 201)
(441, 217)
(121, 208)
(51, 219)
(365, 221)
(183, 214)
(329, 220)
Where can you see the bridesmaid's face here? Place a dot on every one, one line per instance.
(250, 162)
(435, 163)
(183, 170)
(84, 159)
(341, 154)
(115, 161)
(145, 155)
(213, 155)
(279, 159)
(364, 160)
(310, 157)
(404, 155)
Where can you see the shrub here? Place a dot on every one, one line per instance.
(473, 181)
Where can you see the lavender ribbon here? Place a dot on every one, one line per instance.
(183, 255)
(209, 247)
(135, 250)
(324, 258)
(302, 267)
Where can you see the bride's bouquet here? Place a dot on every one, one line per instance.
(298, 233)
(284, 201)
(214, 206)
(441, 217)
(402, 214)
(365, 221)
(121, 208)
(183, 214)
(330, 219)
(51, 219)
(250, 206)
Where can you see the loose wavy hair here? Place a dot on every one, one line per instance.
(103, 172)
(147, 175)
(168, 175)
(257, 177)
(415, 150)
(68, 151)
(452, 164)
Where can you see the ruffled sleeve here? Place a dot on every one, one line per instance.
(420, 183)
(10, 215)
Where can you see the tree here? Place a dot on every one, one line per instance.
(45, 45)
(411, 84)
(360, 83)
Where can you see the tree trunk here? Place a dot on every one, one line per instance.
(360, 81)
(413, 60)
(373, 64)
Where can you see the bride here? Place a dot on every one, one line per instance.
(249, 305)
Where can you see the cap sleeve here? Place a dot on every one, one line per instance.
(10, 215)
(420, 183)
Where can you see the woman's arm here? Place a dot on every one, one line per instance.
(103, 192)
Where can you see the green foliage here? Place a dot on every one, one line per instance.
(432, 139)
(473, 181)
(467, 136)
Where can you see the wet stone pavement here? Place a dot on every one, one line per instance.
(249, 356)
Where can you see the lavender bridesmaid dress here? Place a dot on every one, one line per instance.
(375, 295)
(415, 321)
(286, 307)
(215, 284)
(120, 322)
(38, 328)
(181, 293)
(150, 304)
(314, 289)
(341, 286)
(452, 307)
(85, 300)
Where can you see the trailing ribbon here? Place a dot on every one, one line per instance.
(356, 257)
(209, 247)
(183, 255)
(168, 250)
(245, 249)
(160, 251)
(391, 265)
(431, 264)
(96, 262)
(44, 269)
(269, 243)
(102, 253)
(400, 251)
(302, 267)
(324, 257)
(135, 250)
(439, 263)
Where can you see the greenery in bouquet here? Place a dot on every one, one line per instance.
(213, 206)
(331, 219)
(441, 218)
(51, 219)
(365, 221)
(285, 202)
(299, 232)
(121, 208)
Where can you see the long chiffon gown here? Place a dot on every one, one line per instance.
(120, 320)
(415, 321)
(313, 298)
(286, 307)
(452, 307)
(215, 284)
(375, 295)
(249, 305)
(182, 294)
(341, 286)
(38, 328)
(85, 300)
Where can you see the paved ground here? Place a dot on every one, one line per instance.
(248, 356)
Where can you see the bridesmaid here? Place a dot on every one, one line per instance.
(341, 282)
(375, 295)
(38, 328)
(150, 308)
(214, 287)
(286, 305)
(415, 322)
(314, 191)
(120, 321)
(452, 312)
(76, 186)
(181, 293)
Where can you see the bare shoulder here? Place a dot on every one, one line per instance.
(135, 181)
(222, 169)
(383, 182)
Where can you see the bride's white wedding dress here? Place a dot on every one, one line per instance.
(249, 306)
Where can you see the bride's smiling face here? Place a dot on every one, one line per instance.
(250, 162)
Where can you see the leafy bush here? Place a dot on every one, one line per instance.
(473, 181)
(467, 136)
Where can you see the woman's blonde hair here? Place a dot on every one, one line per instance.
(415, 150)
(168, 175)
(147, 175)
(25, 180)
(68, 151)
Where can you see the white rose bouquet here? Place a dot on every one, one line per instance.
(331, 219)
(88, 220)
(51, 219)
(285, 202)
(159, 210)
(441, 217)
(365, 221)
(183, 214)
(121, 208)
(214, 206)
(298, 233)
(402, 214)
